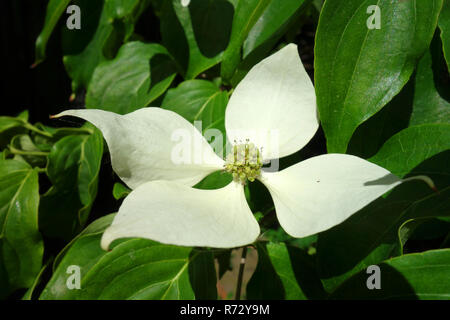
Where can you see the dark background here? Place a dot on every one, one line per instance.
(45, 89)
(42, 90)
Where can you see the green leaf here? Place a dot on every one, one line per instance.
(133, 269)
(246, 15)
(423, 100)
(25, 149)
(284, 273)
(196, 35)
(50, 135)
(73, 168)
(55, 9)
(375, 233)
(423, 229)
(215, 180)
(408, 148)
(372, 234)
(431, 86)
(199, 100)
(138, 75)
(96, 227)
(7, 123)
(11, 126)
(108, 24)
(21, 246)
(272, 23)
(350, 84)
(444, 25)
(31, 292)
(413, 276)
(120, 191)
(370, 136)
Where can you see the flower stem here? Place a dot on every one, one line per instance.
(38, 131)
(28, 153)
(241, 273)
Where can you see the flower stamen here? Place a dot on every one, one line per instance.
(244, 163)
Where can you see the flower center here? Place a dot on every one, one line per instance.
(244, 162)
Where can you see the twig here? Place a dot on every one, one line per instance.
(241, 273)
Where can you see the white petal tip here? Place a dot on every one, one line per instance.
(106, 240)
(62, 114)
(425, 179)
(55, 116)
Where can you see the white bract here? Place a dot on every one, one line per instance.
(271, 114)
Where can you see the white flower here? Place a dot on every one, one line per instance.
(276, 97)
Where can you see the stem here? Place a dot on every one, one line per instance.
(38, 131)
(241, 274)
(28, 153)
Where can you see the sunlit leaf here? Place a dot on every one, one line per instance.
(138, 75)
(358, 70)
(21, 246)
(133, 269)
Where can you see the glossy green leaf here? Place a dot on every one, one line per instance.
(431, 92)
(271, 24)
(412, 276)
(108, 24)
(196, 35)
(444, 25)
(133, 269)
(246, 15)
(358, 70)
(423, 100)
(138, 75)
(393, 118)
(284, 272)
(408, 148)
(55, 8)
(73, 168)
(21, 246)
(198, 100)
